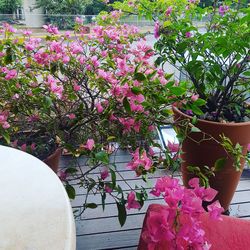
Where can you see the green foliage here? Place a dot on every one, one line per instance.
(209, 45)
(64, 7)
(234, 151)
(9, 6)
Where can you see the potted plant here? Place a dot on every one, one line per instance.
(210, 46)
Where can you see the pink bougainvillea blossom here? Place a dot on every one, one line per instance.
(3, 120)
(90, 144)
(23, 147)
(169, 11)
(157, 30)
(140, 160)
(178, 223)
(10, 74)
(215, 210)
(104, 173)
(71, 116)
(188, 34)
(108, 189)
(51, 29)
(223, 9)
(99, 107)
(173, 147)
(194, 97)
(131, 202)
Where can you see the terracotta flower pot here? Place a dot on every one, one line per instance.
(206, 152)
(53, 160)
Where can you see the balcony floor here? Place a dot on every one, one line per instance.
(98, 229)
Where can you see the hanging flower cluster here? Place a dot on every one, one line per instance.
(178, 225)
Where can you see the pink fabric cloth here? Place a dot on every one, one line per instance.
(230, 234)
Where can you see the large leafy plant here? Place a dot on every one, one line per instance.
(209, 45)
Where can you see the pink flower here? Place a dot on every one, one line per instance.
(33, 146)
(95, 61)
(79, 20)
(104, 173)
(99, 107)
(71, 116)
(173, 147)
(194, 183)
(188, 34)
(55, 86)
(215, 210)
(51, 29)
(157, 30)
(11, 74)
(76, 87)
(27, 32)
(248, 147)
(90, 144)
(169, 11)
(62, 175)
(194, 97)
(223, 9)
(108, 189)
(132, 203)
(24, 147)
(15, 96)
(3, 120)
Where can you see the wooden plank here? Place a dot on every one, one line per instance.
(114, 240)
(111, 210)
(108, 224)
(240, 210)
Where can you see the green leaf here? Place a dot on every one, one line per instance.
(103, 200)
(195, 130)
(71, 170)
(219, 164)
(102, 156)
(136, 90)
(178, 91)
(6, 136)
(113, 178)
(91, 205)
(200, 102)
(139, 76)
(111, 138)
(70, 191)
(194, 119)
(47, 101)
(196, 110)
(138, 66)
(246, 73)
(126, 105)
(122, 213)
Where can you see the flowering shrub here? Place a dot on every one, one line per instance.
(92, 93)
(178, 226)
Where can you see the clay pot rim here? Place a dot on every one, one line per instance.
(231, 124)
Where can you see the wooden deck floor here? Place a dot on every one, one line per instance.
(98, 229)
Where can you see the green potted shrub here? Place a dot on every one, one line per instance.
(210, 46)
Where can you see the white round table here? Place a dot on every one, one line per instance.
(35, 212)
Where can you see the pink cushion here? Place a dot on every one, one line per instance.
(230, 234)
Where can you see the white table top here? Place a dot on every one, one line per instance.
(35, 212)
